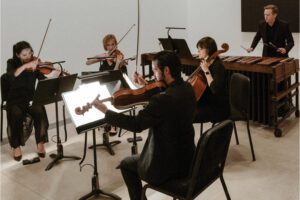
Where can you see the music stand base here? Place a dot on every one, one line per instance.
(106, 143)
(59, 156)
(138, 138)
(96, 191)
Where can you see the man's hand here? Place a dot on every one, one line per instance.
(138, 79)
(249, 50)
(281, 50)
(100, 106)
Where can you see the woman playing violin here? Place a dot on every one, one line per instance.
(21, 77)
(110, 45)
(117, 62)
(213, 106)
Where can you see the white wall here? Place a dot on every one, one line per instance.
(78, 26)
(222, 20)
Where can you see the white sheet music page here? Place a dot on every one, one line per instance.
(86, 93)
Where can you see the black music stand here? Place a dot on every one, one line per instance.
(89, 121)
(179, 46)
(49, 91)
(110, 78)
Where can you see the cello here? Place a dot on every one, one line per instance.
(197, 78)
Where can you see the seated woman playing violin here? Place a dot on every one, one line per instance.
(22, 74)
(213, 106)
(112, 59)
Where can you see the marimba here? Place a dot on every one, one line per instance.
(265, 75)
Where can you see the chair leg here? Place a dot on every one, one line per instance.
(235, 134)
(1, 125)
(224, 187)
(250, 140)
(201, 129)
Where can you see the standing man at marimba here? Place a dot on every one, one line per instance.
(278, 41)
(275, 33)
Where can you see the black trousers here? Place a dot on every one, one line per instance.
(16, 115)
(129, 170)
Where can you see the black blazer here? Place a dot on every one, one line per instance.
(283, 38)
(170, 146)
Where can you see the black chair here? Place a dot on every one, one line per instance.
(208, 165)
(239, 96)
(4, 91)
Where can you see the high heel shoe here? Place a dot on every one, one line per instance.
(41, 148)
(42, 154)
(18, 158)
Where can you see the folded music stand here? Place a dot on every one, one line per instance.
(49, 91)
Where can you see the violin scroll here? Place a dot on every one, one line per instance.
(83, 109)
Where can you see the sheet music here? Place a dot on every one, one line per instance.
(86, 93)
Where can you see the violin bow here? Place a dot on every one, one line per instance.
(121, 39)
(44, 38)
(138, 36)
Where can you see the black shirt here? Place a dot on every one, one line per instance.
(271, 31)
(22, 87)
(216, 96)
(279, 34)
(104, 66)
(170, 146)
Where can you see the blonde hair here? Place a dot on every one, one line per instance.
(272, 7)
(107, 38)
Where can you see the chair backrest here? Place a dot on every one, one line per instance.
(210, 157)
(239, 96)
(5, 85)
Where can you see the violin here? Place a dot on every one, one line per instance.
(46, 67)
(197, 78)
(126, 98)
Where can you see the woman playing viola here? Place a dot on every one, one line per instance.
(21, 77)
(117, 62)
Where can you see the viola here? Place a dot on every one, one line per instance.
(197, 78)
(126, 98)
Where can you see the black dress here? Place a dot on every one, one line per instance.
(20, 93)
(104, 66)
(213, 106)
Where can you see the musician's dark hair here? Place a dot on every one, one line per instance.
(18, 47)
(170, 59)
(209, 44)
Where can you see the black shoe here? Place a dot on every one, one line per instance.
(18, 158)
(42, 155)
(31, 161)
